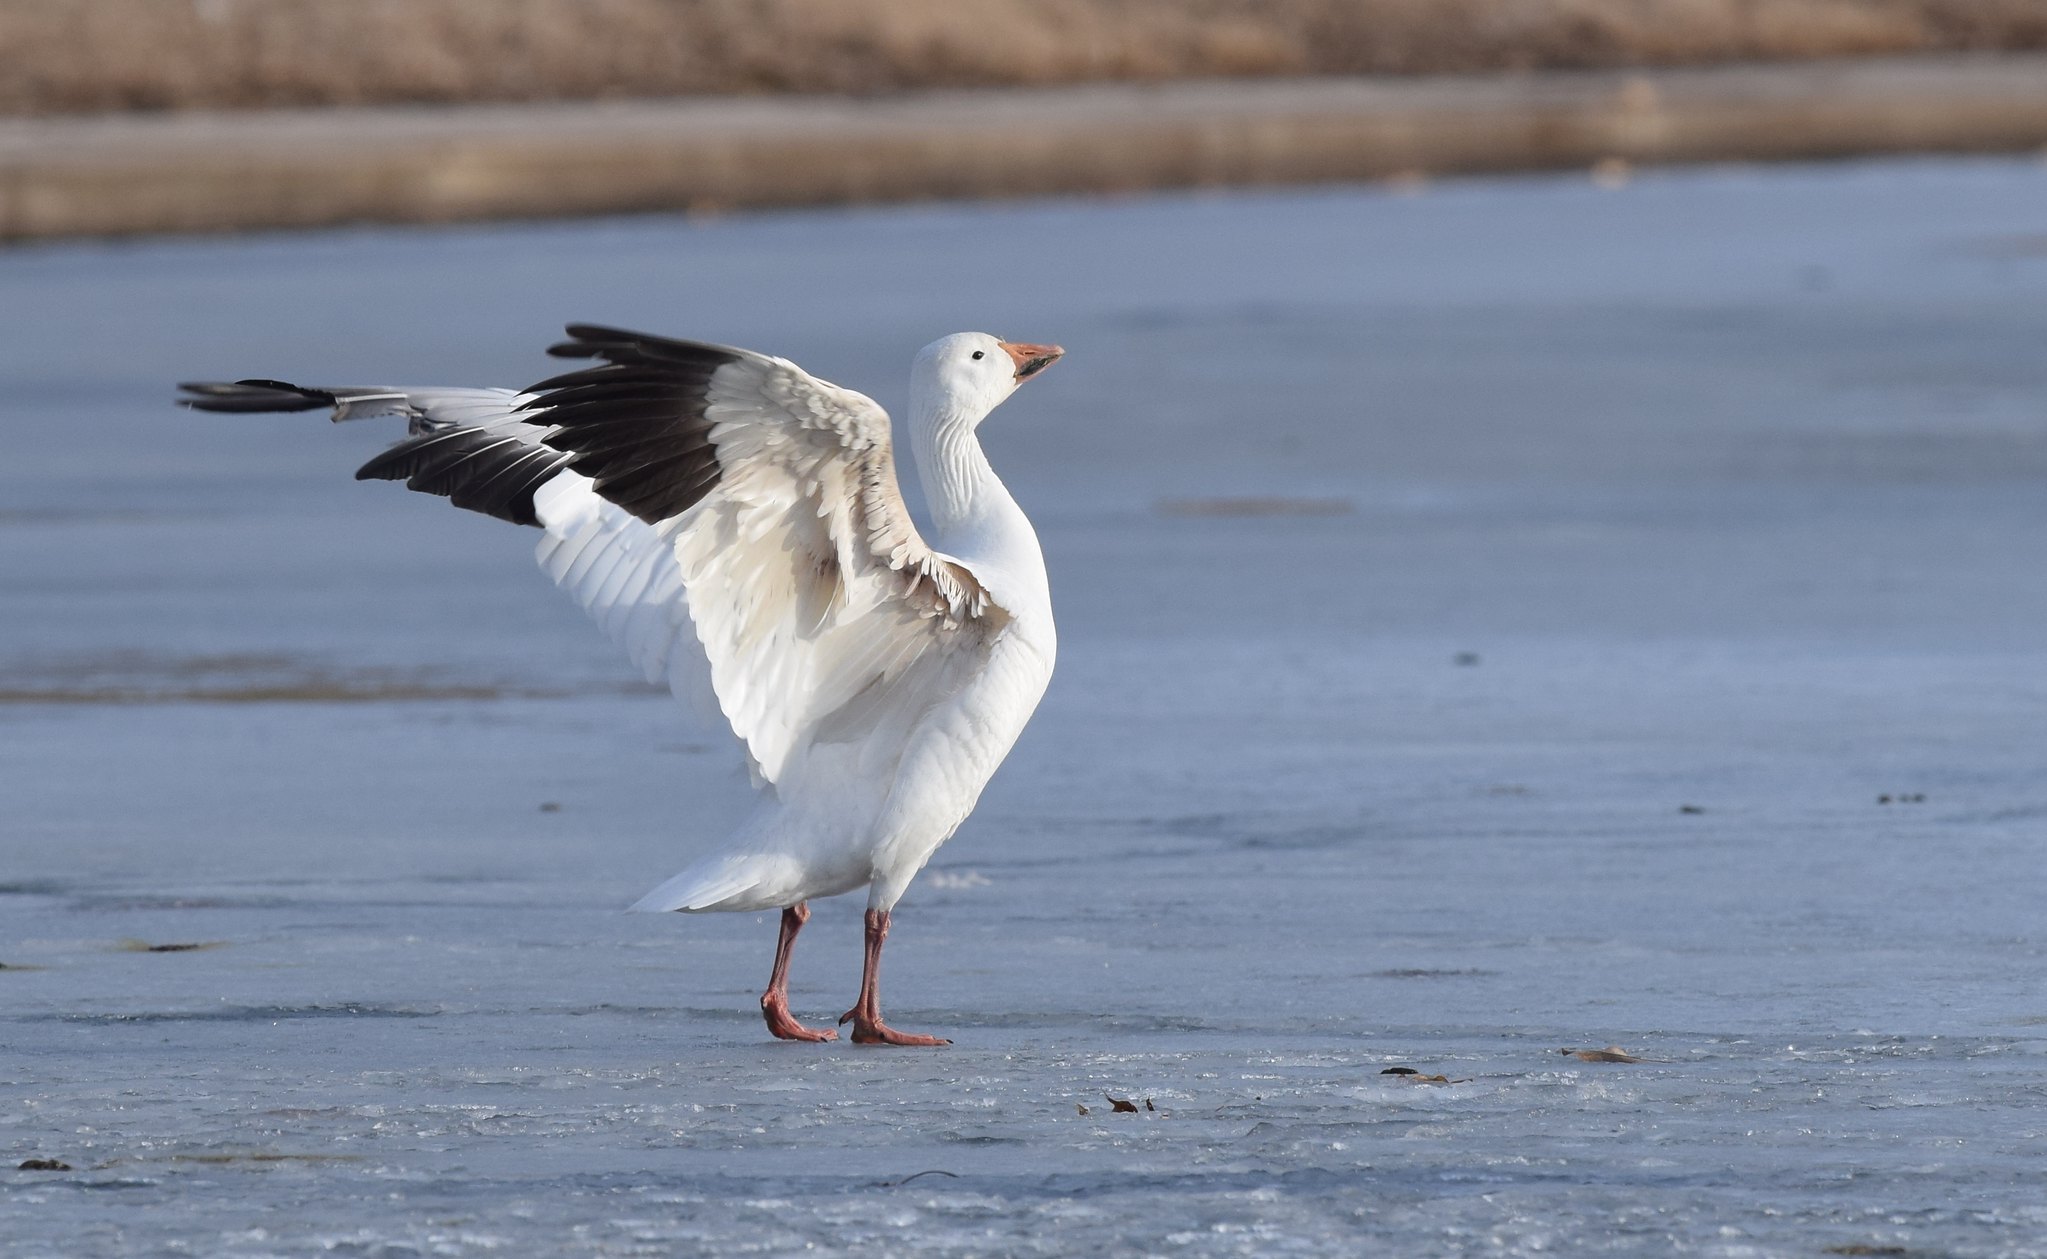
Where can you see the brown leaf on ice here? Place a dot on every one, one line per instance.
(1121, 1105)
(144, 946)
(1400, 1071)
(1082, 1109)
(1148, 1105)
(44, 1165)
(1612, 1053)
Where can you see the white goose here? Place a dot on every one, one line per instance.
(735, 524)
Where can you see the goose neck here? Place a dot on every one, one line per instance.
(959, 484)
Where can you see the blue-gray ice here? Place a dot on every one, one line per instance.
(1493, 619)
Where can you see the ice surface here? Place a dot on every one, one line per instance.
(1619, 551)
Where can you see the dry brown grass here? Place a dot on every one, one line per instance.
(86, 55)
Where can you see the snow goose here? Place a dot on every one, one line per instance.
(734, 523)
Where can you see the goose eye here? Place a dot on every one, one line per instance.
(977, 353)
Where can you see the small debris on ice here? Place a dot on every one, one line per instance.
(1612, 1053)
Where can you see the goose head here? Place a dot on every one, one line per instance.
(968, 374)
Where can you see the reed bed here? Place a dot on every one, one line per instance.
(82, 56)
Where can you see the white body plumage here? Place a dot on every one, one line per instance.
(871, 731)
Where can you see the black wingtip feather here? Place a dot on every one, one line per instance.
(635, 423)
(251, 397)
(472, 468)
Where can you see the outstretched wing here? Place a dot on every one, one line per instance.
(824, 615)
(473, 447)
(480, 450)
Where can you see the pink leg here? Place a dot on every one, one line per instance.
(775, 1001)
(868, 1029)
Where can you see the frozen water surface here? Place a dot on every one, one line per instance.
(1492, 620)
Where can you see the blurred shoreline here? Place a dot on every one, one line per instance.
(129, 174)
(96, 56)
